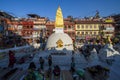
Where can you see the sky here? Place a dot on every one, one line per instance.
(47, 8)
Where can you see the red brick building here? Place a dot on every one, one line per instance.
(27, 30)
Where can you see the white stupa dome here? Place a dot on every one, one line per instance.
(56, 38)
(59, 40)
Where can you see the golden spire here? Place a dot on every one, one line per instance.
(59, 18)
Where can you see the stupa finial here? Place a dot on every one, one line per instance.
(59, 18)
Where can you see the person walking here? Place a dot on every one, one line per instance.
(72, 64)
(41, 60)
(11, 59)
(32, 66)
(56, 71)
(50, 61)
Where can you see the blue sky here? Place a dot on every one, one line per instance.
(47, 8)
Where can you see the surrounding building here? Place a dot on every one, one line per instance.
(117, 24)
(39, 28)
(87, 28)
(27, 31)
(35, 29)
(6, 36)
(108, 27)
(50, 25)
(94, 27)
(69, 27)
(21, 31)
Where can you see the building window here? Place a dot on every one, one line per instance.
(94, 33)
(90, 26)
(86, 32)
(69, 27)
(73, 33)
(78, 33)
(30, 26)
(82, 33)
(65, 27)
(90, 32)
(86, 26)
(82, 26)
(94, 26)
(26, 27)
(73, 27)
(78, 26)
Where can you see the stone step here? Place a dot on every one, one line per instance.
(18, 77)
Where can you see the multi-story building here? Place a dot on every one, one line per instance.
(87, 28)
(93, 28)
(5, 19)
(6, 37)
(108, 27)
(34, 29)
(22, 31)
(39, 29)
(15, 31)
(50, 25)
(117, 24)
(27, 31)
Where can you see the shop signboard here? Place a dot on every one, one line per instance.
(108, 20)
(110, 28)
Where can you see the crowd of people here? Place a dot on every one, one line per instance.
(33, 74)
(86, 51)
(98, 72)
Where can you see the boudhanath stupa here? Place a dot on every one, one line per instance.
(59, 40)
